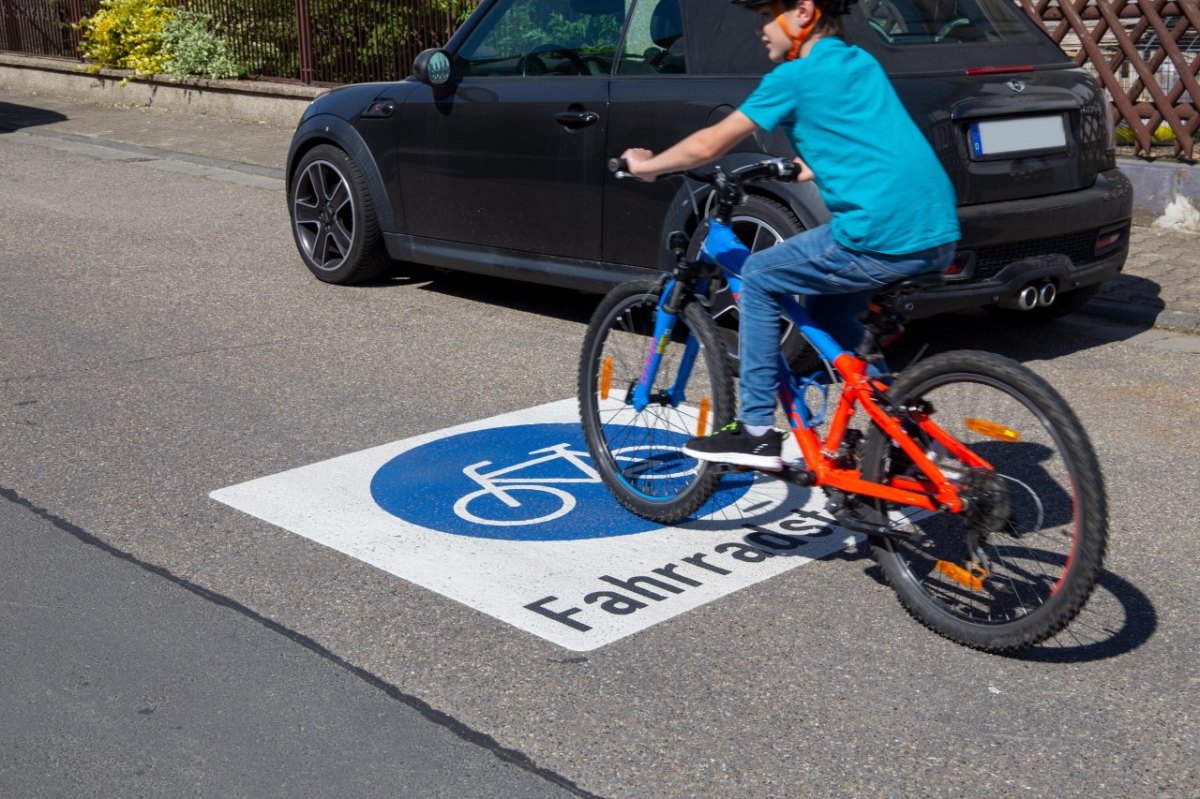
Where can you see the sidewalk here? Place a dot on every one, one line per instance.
(1160, 285)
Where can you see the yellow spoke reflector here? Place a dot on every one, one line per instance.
(605, 377)
(992, 430)
(702, 421)
(971, 579)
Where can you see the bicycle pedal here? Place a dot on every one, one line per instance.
(794, 472)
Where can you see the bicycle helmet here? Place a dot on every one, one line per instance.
(834, 8)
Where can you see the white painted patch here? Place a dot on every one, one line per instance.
(1180, 214)
(543, 573)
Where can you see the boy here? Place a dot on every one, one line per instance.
(892, 205)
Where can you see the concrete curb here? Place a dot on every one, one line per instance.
(278, 104)
(1165, 193)
(1130, 313)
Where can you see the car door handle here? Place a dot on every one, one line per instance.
(576, 119)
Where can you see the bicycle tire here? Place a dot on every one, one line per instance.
(1046, 556)
(669, 486)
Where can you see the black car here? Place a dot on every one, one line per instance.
(492, 158)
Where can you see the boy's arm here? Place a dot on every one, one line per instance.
(706, 144)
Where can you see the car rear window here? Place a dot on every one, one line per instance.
(906, 36)
(945, 22)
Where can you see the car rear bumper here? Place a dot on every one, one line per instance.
(1007, 246)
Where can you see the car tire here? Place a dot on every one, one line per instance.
(333, 218)
(761, 222)
(1066, 303)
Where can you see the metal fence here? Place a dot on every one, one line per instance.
(1146, 53)
(322, 42)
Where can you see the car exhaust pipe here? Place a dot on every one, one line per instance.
(1024, 300)
(1047, 294)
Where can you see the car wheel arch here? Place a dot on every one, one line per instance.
(803, 200)
(335, 131)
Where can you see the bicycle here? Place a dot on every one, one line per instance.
(976, 486)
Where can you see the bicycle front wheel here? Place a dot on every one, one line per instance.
(1019, 564)
(637, 453)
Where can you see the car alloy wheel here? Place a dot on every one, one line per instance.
(323, 214)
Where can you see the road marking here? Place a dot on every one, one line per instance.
(506, 515)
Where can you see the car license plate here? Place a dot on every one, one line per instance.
(996, 137)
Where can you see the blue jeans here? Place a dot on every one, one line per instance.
(838, 283)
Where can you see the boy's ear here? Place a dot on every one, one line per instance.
(807, 9)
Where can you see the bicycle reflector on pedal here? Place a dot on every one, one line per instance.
(605, 377)
(702, 419)
(992, 430)
(971, 578)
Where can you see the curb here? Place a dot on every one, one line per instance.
(278, 104)
(1182, 321)
(1166, 194)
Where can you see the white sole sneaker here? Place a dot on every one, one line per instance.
(766, 463)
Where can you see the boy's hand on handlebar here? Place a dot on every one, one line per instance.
(803, 172)
(635, 158)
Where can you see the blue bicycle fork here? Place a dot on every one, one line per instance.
(723, 248)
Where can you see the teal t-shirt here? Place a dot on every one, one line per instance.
(876, 171)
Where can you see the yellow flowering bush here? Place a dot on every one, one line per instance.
(128, 34)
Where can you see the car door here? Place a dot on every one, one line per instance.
(684, 64)
(512, 155)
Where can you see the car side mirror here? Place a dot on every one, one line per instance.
(433, 66)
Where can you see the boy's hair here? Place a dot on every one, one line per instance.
(832, 11)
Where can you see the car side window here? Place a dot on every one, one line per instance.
(535, 38)
(654, 41)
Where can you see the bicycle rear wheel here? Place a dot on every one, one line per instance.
(1041, 515)
(637, 454)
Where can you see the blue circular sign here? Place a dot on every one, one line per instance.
(527, 483)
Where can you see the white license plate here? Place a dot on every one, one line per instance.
(1027, 134)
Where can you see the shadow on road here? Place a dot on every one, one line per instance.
(14, 117)
(1117, 619)
(1021, 341)
(567, 304)
(972, 329)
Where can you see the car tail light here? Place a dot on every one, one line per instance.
(1110, 132)
(961, 267)
(1108, 239)
(999, 70)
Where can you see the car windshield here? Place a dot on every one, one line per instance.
(924, 22)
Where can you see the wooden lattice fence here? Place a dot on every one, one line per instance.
(1147, 55)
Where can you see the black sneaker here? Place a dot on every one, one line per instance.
(732, 444)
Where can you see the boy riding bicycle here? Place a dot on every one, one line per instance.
(892, 205)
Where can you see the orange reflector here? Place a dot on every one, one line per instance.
(702, 421)
(992, 430)
(972, 580)
(605, 377)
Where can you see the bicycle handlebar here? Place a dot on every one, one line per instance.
(767, 169)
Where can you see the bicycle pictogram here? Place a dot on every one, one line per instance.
(499, 488)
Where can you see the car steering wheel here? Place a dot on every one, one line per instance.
(949, 26)
(523, 66)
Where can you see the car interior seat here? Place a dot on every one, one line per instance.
(666, 31)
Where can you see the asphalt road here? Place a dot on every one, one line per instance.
(162, 340)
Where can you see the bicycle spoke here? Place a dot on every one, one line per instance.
(1043, 560)
(638, 452)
